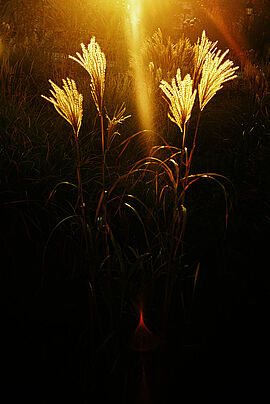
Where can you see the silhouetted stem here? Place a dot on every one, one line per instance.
(104, 202)
(194, 145)
(80, 200)
(182, 157)
(80, 196)
(103, 152)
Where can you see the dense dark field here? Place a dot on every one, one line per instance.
(73, 297)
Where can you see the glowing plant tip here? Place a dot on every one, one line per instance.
(94, 61)
(214, 74)
(67, 102)
(202, 48)
(180, 98)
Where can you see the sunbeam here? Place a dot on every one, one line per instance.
(135, 37)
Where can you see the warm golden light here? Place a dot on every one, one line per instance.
(135, 36)
(134, 8)
(236, 43)
(1, 47)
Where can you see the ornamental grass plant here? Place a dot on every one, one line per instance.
(88, 204)
(152, 170)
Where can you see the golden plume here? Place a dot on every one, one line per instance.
(181, 98)
(93, 60)
(202, 48)
(67, 102)
(214, 74)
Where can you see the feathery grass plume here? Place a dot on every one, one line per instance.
(68, 103)
(181, 98)
(93, 61)
(202, 48)
(214, 74)
(117, 119)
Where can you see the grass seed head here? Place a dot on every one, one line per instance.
(68, 103)
(215, 72)
(181, 98)
(202, 48)
(93, 60)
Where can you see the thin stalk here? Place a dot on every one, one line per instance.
(80, 200)
(80, 193)
(184, 136)
(171, 271)
(104, 199)
(103, 151)
(194, 143)
(189, 159)
(182, 157)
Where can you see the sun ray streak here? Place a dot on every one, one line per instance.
(135, 38)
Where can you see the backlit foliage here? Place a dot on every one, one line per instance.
(68, 103)
(93, 60)
(164, 57)
(212, 71)
(202, 48)
(214, 74)
(181, 98)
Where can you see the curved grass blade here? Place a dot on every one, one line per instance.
(57, 185)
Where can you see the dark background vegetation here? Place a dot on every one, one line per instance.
(68, 315)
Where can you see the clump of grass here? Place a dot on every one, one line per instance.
(256, 79)
(164, 57)
(15, 79)
(68, 103)
(164, 173)
(213, 73)
(210, 73)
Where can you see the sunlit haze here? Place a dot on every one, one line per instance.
(135, 35)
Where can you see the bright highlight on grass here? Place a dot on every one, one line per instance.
(202, 48)
(181, 98)
(94, 62)
(135, 39)
(68, 103)
(214, 74)
(210, 71)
